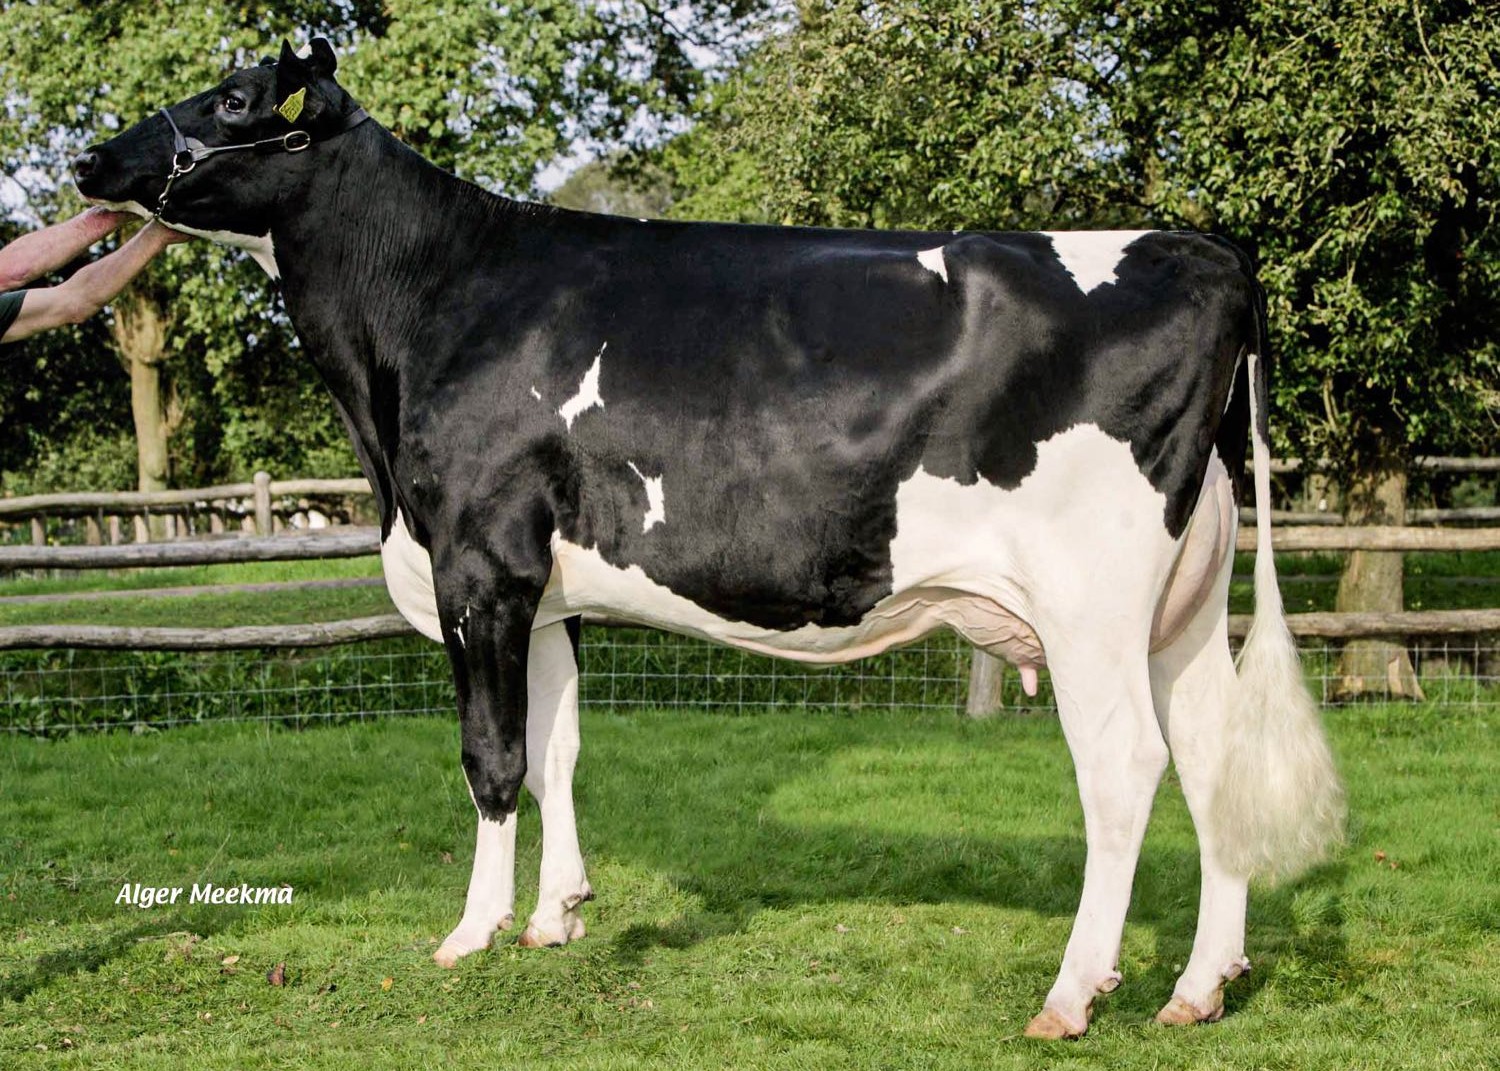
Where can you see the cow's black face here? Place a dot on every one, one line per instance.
(234, 193)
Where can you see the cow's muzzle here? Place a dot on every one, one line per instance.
(85, 164)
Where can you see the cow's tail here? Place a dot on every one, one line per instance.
(1279, 806)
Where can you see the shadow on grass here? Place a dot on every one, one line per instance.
(727, 843)
(1042, 875)
(87, 957)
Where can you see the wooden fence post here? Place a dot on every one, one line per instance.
(38, 532)
(263, 503)
(93, 532)
(986, 676)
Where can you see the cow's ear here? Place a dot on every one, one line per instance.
(293, 76)
(291, 71)
(321, 59)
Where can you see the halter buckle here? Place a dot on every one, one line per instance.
(184, 161)
(295, 140)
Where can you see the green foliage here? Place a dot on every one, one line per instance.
(1350, 147)
(84, 457)
(491, 90)
(605, 186)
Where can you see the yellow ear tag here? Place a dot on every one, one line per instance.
(290, 108)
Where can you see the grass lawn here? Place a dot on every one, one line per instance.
(215, 610)
(781, 891)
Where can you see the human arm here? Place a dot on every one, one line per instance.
(91, 287)
(35, 254)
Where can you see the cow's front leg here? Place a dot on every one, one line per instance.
(486, 614)
(490, 905)
(551, 754)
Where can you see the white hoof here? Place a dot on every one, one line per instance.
(555, 933)
(550, 932)
(468, 938)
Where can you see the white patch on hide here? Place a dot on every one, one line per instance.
(1091, 257)
(656, 503)
(1233, 376)
(1042, 546)
(932, 260)
(458, 630)
(408, 577)
(260, 247)
(588, 394)
(121, 206)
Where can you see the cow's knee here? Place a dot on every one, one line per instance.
(495, 776)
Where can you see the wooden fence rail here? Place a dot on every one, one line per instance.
(1462, 515)
(346, 541)
(239, 637)
(72, 504)
(351, 541)
(264, 504)
(1339, 538)
(1430, 464)
(81, 503)
(387, 626)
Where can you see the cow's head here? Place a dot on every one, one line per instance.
(281, 107)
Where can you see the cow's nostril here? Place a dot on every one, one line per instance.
(85, 163)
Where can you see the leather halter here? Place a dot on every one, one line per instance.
(187, 152)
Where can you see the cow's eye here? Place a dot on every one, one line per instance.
(234, 104)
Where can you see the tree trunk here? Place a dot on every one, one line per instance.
(1372, 580)
(140, 331)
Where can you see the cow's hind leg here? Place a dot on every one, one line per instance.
(1104, 700)
(1196, 692)
(551, 754)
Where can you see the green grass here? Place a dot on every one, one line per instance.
(245, 573)
(219, 610)
(1433, 581)
(779, 891)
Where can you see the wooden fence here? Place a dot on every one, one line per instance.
(266, 505)
(262, 507)
(269, 505)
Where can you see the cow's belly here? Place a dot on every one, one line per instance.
(583, 582)
(976, 559)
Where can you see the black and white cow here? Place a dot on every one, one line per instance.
(807, 443)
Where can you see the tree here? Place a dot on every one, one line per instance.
(490, 90)
(1350, 148)
(1364, 135)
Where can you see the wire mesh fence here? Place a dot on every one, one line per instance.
(61, 691)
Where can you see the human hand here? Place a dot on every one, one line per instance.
(105, 219)
(166, 235)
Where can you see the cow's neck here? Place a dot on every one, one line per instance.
(371, 238)
(370, 243)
